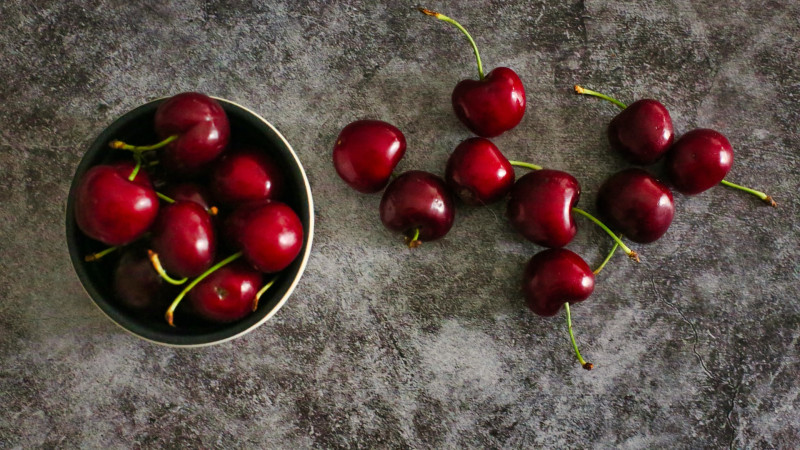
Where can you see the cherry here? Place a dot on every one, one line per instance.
(113, 207)
(494, 103)
(699, 160)
(194, 129)
(478, 173)
(228, 294)
(419, 205)
(366, 152)
(183, 238)
(636, 204)
(136, 285)
(272, 237)
(642, 132)
(245, 175)
(540, 207)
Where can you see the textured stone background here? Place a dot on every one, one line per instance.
(385, 347)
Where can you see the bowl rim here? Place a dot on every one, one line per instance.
(301, 269)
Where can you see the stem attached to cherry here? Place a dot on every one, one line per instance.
(160, 269)
(138, 157)
(584, 364)
(170, 314)
(98, 255)
(262, 291)
(414, 242)
(631, 254)
(608, 258)
(119, 145)
(525, 165)
(463, 30)
(584, 91)
(764, 197)
(164, 197)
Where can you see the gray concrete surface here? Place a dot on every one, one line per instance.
(433, 348)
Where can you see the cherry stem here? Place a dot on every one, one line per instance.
(262, 291)
(98, 255)
(608, 257)
(631, 254)
(463, 30)
(766, 198)
(165, 198)
(119, 145)
(138, 157)
(160, 269)
(525, 165)
(584, 91)
(414, 242)
(586, 365)
(169, 315)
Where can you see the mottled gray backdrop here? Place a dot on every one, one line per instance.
(381, 346)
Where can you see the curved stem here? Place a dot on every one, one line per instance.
(764, 197)
(119, 145)
(160, 269)
(631, 254)
(525, 165)
(164, 197)
(98, 255)
(169, 315)
(262, 291)
(608, 258)
(586, 365)
(138, 157)
(584, 91)
(414, 242)
(463, 30)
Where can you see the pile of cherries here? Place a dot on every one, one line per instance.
(172, 235)
(633, 202)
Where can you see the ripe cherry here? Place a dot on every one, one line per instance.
(636, 204)
(228, 294)
(137, 285)
(246, 175)
(184, 239)
(699, 160)
(494, 103)
(272, 237)
(540, 207)
(113, 207)
(366, 152)
(419, 205)
(478, 173)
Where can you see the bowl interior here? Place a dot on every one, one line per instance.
(136, 127)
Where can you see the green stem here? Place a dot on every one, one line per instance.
(138, 157)
(262, 291)
(608, 257)
(413, 242)
(160, 269)
(584, 91)
(119, 145)
(171, 311)
(98, 255)
(525, 165)
(766, 198)
(586, 365)
(463, 30)
(631, 254)
(164, 197)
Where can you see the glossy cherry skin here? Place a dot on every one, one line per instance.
(491, 106)
(418, 200)
(112, 209)
(227, 294)
(246, 175)
(553, 277)
(642, 132)
(184, 239)
(699, 160)
(540, 207)
(478, 173)
(636, 204)
(191, 192)
(366, 152)
(202, 128)
(137, 285)
(235, 221)
(272, 237)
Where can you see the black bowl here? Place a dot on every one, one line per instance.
(136, 127)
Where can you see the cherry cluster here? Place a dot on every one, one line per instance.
(167, 244)
(541, 204)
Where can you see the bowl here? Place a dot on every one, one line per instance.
(136, 126)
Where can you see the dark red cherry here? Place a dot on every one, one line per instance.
(366, 152)
(553, 277)
(642, 132)
(699, 160)
(235, 221)
(246, 175)
(478, 173)
(201, 127)
(272, 237)
(540, 207)
(636, 204)
(191, 192)
(137, 285)
(112, 209)
(184, 239)
(490, 106)
(227, 294)
(419, 205)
